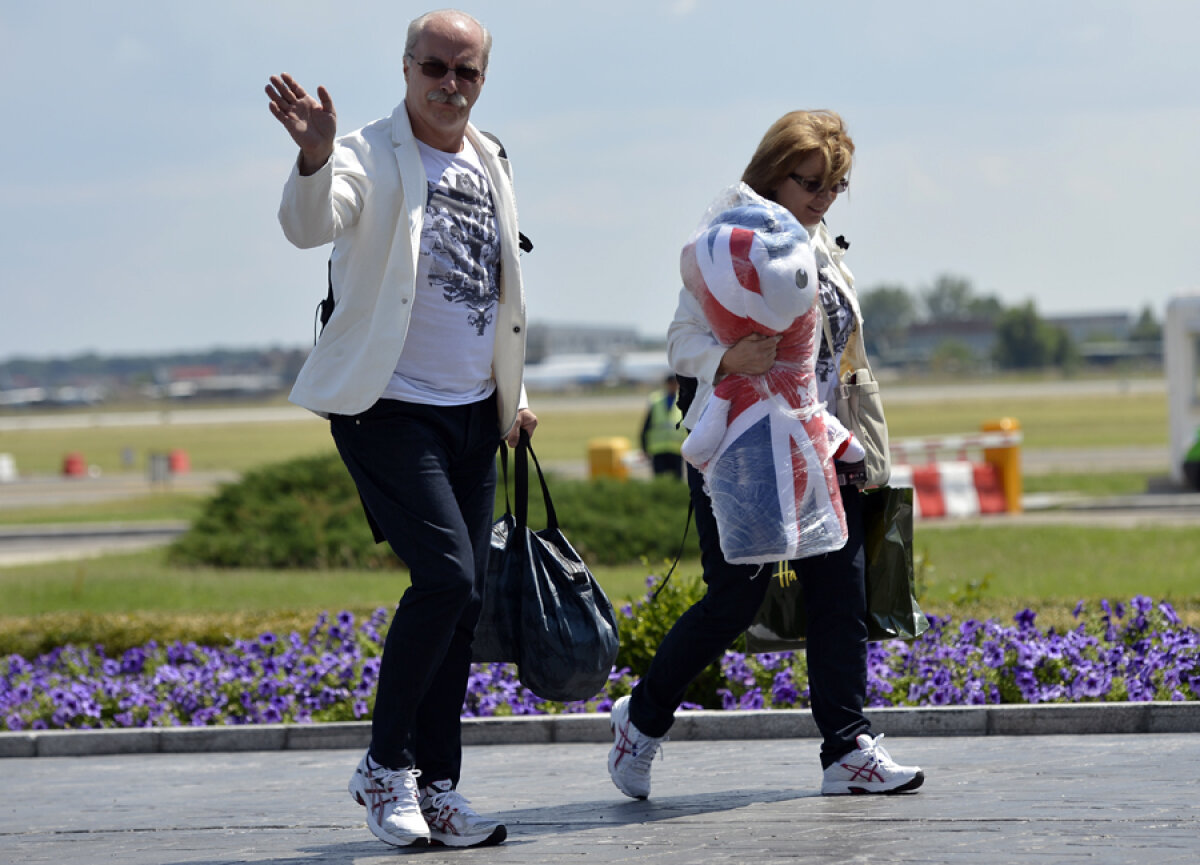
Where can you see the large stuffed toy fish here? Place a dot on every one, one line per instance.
(765, 443)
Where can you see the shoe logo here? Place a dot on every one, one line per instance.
(379, 802)
(441, 822)
(866, 772)
(624, 745)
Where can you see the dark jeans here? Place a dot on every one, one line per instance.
(835, 597)
(427, 475)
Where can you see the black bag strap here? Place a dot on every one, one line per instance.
(524, 452)
(325, 307)
(679, 554)
(504, 468)
(523, 242)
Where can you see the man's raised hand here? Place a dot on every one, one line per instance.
(312, 122)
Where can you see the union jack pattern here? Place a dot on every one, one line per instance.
(765, 443)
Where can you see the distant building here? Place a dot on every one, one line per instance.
(547, 340)
(1094, 327)
(1104, 339)
(221, 386)
(1100, 338)
(922, 341)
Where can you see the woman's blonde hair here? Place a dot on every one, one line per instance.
(791, 139)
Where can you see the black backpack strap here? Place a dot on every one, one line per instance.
(496, 141)
(524, 242)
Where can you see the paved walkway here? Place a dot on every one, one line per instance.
(1040, 799)
(1085, 783)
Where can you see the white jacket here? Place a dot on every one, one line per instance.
(369, 201)
(692, 350)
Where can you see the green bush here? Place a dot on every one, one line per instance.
(611, 522)
(305, 513)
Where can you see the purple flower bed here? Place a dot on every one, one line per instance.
(1135, 652)
(1138, 652)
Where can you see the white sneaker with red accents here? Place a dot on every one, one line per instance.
(869, 769)
(453, 823)
(390, 797)
(632, 753)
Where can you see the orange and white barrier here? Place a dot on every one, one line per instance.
(959, 487)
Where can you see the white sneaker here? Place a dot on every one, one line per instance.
(390, 797)
(869, 769)
(632, 753)
(453, 822)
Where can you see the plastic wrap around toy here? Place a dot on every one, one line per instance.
(764, 443)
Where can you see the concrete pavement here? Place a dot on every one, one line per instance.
(25, 545)
(1099, 798)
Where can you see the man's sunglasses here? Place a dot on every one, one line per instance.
(815, 186)
(437, 70)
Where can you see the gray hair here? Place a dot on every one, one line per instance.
(417, 26)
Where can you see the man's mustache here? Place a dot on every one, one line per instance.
(455, 99)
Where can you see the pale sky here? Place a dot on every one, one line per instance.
(1042, 149)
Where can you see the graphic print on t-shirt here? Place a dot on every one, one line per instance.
(841, 325)
(463, 246)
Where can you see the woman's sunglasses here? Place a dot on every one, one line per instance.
(816, 186)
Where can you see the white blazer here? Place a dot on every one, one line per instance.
(369, 201)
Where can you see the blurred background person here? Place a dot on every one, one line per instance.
(662, 430)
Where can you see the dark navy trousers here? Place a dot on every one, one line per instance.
(427, 476)
(836, 645)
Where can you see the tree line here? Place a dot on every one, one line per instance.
(1022, 338)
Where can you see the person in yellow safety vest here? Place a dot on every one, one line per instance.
(663, 432)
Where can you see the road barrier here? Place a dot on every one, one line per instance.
(74, 465)
(959, 487)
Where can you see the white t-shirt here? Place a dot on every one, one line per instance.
(447, 354)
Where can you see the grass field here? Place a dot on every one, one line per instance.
(566, 428)
(1060, 564)
(970, 569)
(210, 447)
(1047, 421)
